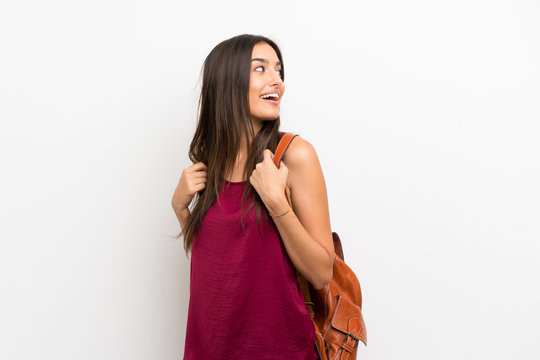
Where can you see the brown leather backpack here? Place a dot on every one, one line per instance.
(336, 310)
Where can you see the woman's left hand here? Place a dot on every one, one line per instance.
(270, 182)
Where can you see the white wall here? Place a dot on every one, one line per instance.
(424, 115)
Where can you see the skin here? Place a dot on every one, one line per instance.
(305, 230)
(265, 78)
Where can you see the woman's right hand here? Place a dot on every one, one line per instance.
(193, 179)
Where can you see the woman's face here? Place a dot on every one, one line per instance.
(264, 79)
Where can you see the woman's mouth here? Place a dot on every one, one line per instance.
(274, 102)
(271, 98)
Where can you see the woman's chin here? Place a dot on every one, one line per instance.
(266, 117)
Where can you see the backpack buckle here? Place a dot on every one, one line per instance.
(311, 309)
(348, 346)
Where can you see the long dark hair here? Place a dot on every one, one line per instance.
(224, 116)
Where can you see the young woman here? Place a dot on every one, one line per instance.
(246, 242)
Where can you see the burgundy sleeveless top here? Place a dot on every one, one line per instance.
(245, 302)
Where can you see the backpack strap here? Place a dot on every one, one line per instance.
(283, 145)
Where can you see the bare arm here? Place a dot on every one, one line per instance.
(305, 231)
(306, 234)
(192, 180)
(182, 215)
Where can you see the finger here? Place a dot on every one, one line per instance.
(194, 175)
(268, 155)
(198, 179)
(199, 166)
(198, 186)
(201, 173)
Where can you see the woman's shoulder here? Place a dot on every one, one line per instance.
(300, 153)
(305, 176)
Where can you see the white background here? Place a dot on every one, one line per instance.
(424, 115)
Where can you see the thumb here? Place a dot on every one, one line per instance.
(268, 155)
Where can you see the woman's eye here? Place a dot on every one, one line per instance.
(262, 67)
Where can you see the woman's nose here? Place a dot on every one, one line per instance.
(276, 79)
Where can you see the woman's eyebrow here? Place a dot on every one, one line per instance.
(265, 61)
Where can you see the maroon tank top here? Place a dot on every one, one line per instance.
(245, 302)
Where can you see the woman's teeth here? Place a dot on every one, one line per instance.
(267, 96)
